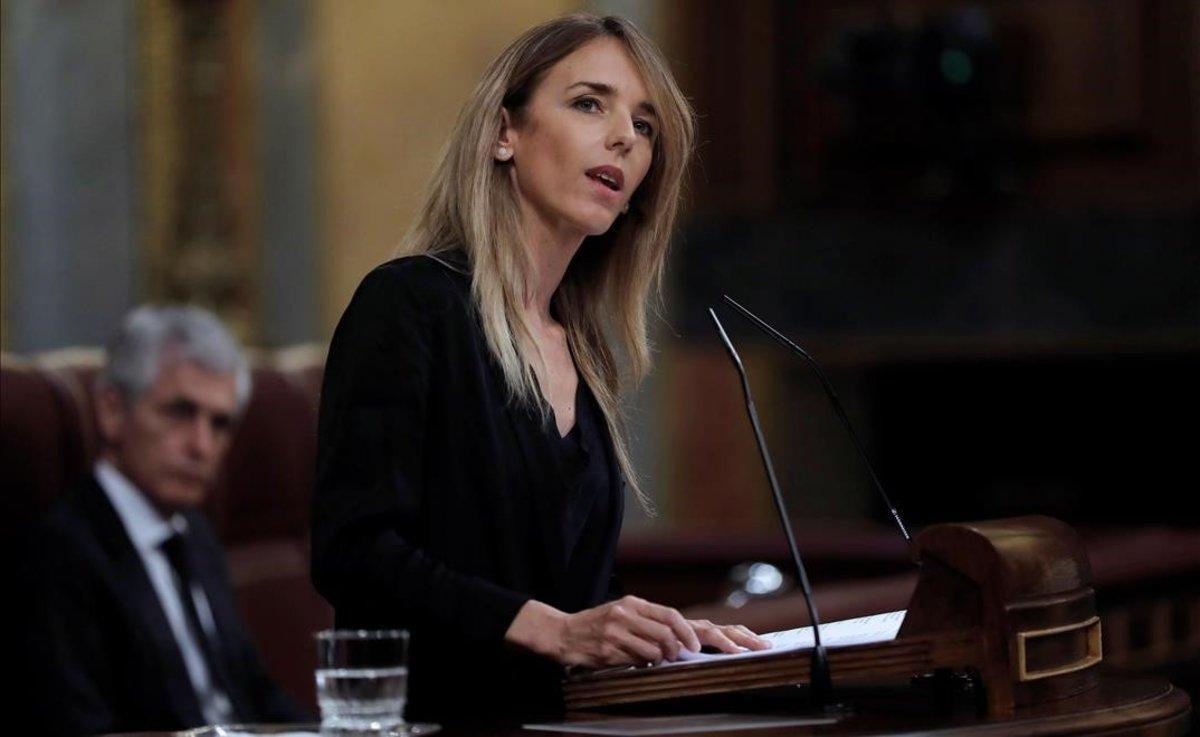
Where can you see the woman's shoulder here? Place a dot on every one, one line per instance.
(427, 280)
(406, 296)
(424, 271)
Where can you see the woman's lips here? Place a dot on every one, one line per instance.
(610, 176)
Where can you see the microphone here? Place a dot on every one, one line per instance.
(819, 677)
(833, 398)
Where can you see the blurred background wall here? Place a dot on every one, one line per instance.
(982, 217)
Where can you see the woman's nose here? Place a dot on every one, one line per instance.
(621, 134)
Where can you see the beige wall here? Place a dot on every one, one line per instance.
(390, 79)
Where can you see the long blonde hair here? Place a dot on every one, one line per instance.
(602, 299)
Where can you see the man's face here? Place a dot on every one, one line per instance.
(171, 439)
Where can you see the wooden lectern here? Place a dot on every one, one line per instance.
(1009, 602)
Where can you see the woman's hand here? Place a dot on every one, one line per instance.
(629, 630)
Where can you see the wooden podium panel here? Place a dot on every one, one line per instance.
(882, 661)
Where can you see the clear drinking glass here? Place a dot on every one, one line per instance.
(362, 681)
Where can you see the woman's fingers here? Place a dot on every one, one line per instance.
(658, 624)
(711, 635)
(745, 637)
(638, 649)
(657, 633)
(681, 628)
(730, 638)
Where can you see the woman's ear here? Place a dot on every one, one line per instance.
(505, 144)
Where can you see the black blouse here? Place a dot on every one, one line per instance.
(584, 457)
(442, 505)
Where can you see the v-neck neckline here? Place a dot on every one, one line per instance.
(575, 420)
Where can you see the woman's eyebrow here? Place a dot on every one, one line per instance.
(600, 88)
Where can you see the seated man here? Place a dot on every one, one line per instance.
(144, 628)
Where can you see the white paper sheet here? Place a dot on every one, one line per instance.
(857, 631)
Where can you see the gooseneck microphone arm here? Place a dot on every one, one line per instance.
(833, 398)
(819, 677)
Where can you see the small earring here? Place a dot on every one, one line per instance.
(625, 209)
(502, 153)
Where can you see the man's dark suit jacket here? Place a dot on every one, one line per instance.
(440, 504)
(115, 666)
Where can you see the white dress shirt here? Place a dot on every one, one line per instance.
(149, 530)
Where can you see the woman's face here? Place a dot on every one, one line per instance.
(584, 142)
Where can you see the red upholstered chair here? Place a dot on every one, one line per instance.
(259, 507)
(41, 447)
(261, 510)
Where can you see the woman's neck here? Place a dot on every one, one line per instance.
(551, 250)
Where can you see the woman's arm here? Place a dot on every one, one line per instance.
(371, 440)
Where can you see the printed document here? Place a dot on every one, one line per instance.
(857, 631)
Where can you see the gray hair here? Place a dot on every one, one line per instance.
(191, 334)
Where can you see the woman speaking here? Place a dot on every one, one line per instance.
(471, 465)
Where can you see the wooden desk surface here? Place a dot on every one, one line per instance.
(1121, 705)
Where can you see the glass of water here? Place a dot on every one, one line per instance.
(362, 681)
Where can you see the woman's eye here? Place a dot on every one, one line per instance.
(587, 104)
(644, 128)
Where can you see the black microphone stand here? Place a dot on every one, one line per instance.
(833, 397)
(820, 680)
